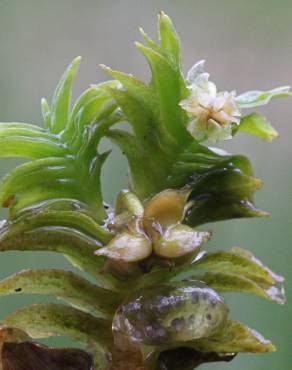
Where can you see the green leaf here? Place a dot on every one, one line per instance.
(234, 337)
(222, 192)
(257, 125)
(48, 320)
(149, 42)
(74, 244)
(32, 174)
(252, 99)
(170, 43)
(62, 97)
(46, 112)
(65, 285)
(167, 83)
(240, 262)
(233, 282)
(28, 141)
(96, 102)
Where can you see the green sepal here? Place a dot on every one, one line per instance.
(64, 285)
(257, 125)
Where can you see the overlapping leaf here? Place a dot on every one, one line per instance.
(65, 162)
(59, 320)
(65, 285)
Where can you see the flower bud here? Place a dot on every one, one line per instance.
(127, 247)
(180, 240)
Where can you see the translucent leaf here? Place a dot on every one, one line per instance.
(234, 337)
(196, 70)
(65, 285)
(23, 356)
(255, 98)
(62, 97)
(257, 125)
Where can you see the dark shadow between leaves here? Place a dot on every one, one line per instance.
(32, 356)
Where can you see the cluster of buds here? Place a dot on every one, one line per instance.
(211, 113)
(153, 232)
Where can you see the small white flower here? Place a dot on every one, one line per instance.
(211, 113)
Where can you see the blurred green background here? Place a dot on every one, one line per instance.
(247, 45)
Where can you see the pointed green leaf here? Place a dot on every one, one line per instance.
(252, 99)
(170, 43)
(136, 88)
(149, 42)
(232, 282)
(257, 125)
(234, 337)
(46, 112)
(62, 97)
(167, 83)
(27, 141)
(65, 285)
(240, 262)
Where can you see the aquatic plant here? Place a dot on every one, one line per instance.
(155, 302)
